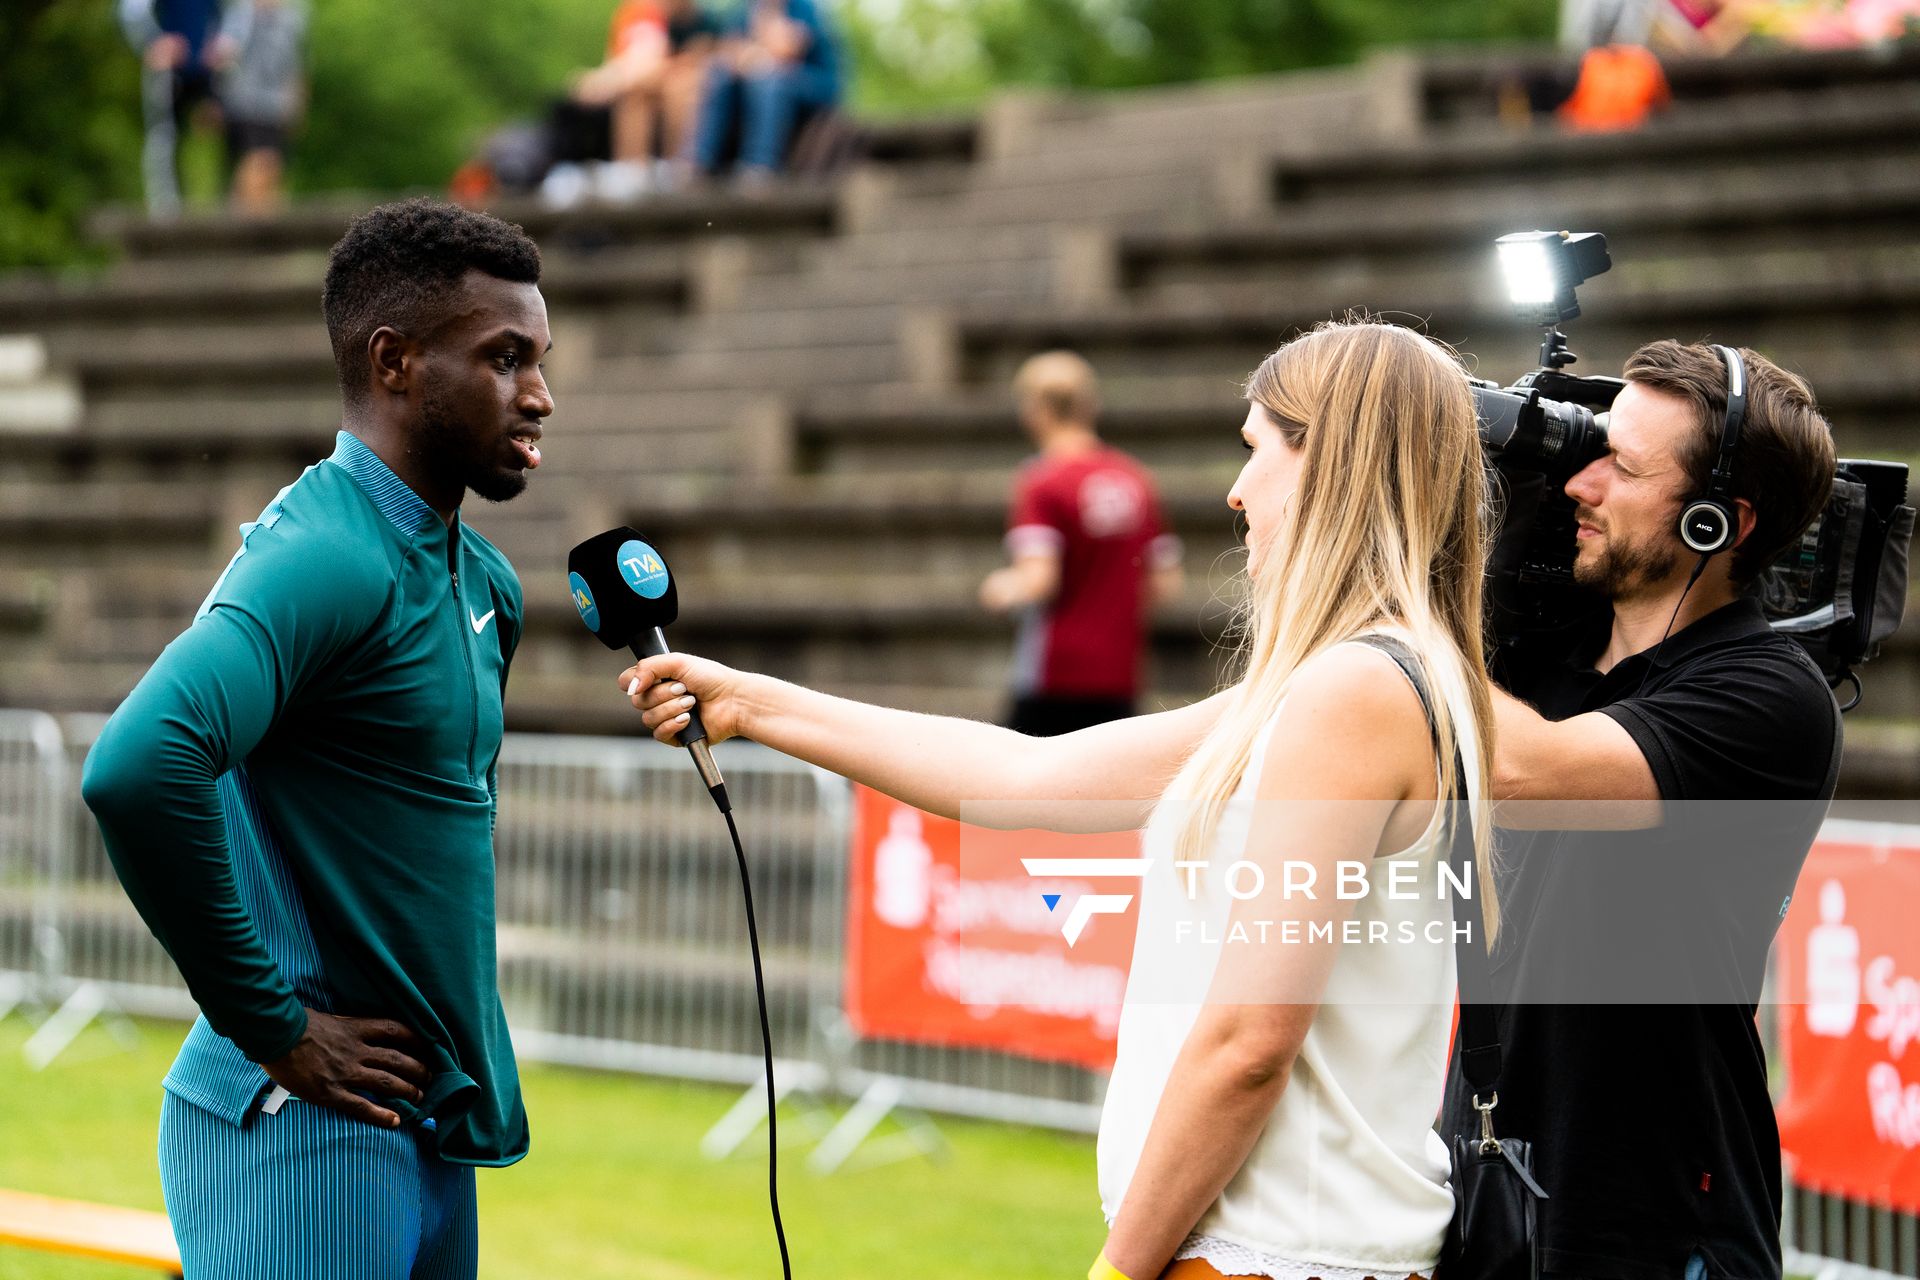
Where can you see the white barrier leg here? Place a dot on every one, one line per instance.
(742, 1118)
(88, 1001)
(862, 1118)
(918, 1135)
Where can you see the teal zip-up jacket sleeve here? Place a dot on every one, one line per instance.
(270, 636)
(299, 796)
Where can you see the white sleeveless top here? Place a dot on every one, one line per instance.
(1348, 1179)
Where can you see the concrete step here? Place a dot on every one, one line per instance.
(144, 428)
(860, 284)
(27, 603)
(1117, 128)
(203, 420)
(315, 225)
(1467, 84)
(868, 430)
(1186, 186)
(178, 455)
(129, 514)
(923, 500)
(769, 327)
(788, 369)
(160, 294)
(1866, 304)
(287, 358)
(913, 247)
(1776, 127)
(1819, 202)
(922, 140)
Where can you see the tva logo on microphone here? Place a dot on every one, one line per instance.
(583, 601)
(1086, 907)
(642, 568)
(623, 589)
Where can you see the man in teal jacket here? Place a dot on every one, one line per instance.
(299, 795)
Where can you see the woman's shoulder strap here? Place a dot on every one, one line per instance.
(1402, 654)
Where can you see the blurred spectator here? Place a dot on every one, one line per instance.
(1675, 27)
(1842, 24)
(657, 53)
(1620, 86)
(261, 96)
(181, 43)
(1090, 557)
(780, 60)
(1588, 24)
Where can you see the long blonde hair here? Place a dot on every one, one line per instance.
(1389, 527)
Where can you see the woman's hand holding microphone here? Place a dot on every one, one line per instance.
(665, 688)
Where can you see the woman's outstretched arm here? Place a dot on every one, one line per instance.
(1101, 779)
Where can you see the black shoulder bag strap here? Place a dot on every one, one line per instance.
(1494, 1228)
(1479, 1037)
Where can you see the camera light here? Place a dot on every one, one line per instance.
(1544, 267)
(1529, 269)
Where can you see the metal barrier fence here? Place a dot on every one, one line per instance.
(622, 934)
(623, 946)
(32, 781)
(1833, 1238)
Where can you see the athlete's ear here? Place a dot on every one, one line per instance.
(391, 357)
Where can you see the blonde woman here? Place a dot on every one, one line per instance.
(1271, 1106)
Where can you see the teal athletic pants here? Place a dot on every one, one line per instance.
(308, 1194)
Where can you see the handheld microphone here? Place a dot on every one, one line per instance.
(625, 595)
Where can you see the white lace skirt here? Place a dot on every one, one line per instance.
(1231, 1259)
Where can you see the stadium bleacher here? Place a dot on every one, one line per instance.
(803, 393)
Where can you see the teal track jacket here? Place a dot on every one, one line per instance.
(299, 797)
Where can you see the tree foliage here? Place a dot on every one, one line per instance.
(62, 152)
(930, 53)
(402, 93)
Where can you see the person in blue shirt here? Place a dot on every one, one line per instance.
(780, 59)
(182, 45)
(299, 795)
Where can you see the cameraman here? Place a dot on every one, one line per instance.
(1652, 1125)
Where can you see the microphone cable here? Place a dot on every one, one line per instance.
(766, 1044)
(620, 585)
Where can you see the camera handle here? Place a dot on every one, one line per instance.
(1554, 353)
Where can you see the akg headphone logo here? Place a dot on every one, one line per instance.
(1086, 907)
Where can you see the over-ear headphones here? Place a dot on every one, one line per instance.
(1709, 524)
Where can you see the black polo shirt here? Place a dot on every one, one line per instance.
(1652, 1125)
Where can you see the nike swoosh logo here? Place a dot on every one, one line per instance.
(480, 622)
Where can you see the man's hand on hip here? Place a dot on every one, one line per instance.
(339, 1059)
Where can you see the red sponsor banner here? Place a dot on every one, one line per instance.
(951, 941)
(1849, 964)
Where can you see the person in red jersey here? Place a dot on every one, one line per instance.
(1090, 557)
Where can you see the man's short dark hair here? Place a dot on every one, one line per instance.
(400, 264)
(1784, 464)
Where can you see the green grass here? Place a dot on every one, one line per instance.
(615, 1186)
